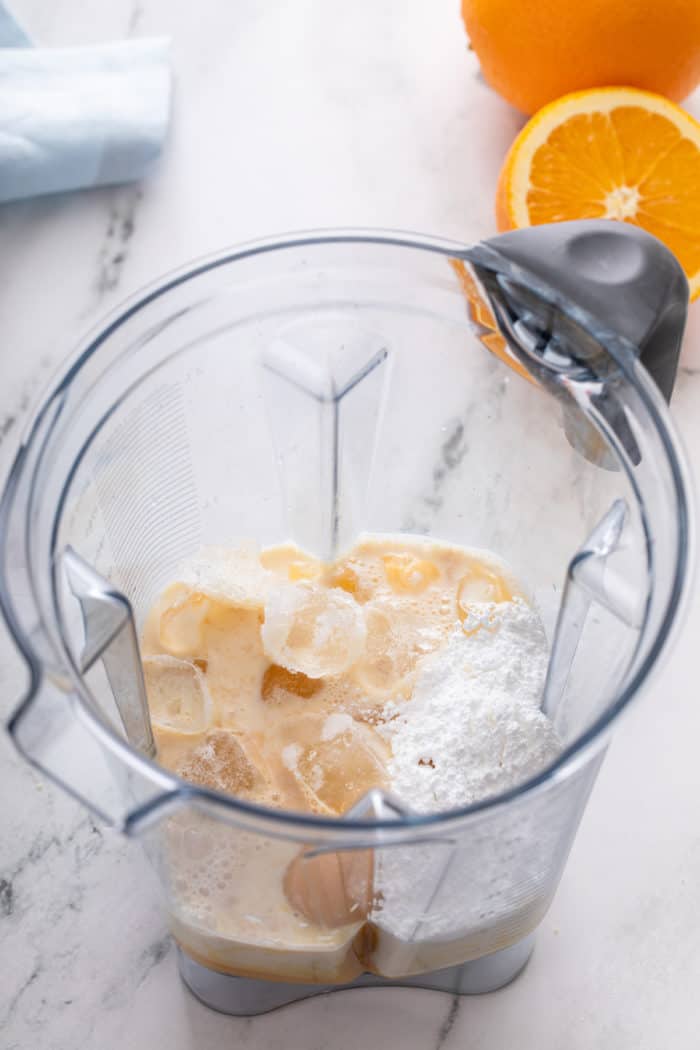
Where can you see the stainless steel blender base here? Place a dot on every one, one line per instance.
(244, 996)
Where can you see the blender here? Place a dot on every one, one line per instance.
(507, 396)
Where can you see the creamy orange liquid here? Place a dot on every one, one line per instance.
(268, 676)
(241, 695)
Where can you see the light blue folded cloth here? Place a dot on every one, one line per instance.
(76, 117)
(11, 32)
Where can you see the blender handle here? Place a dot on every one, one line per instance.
(52, 726)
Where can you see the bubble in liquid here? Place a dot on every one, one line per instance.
(357, 576)
(197, 844)
(177, 693)
(481, 584)
(312, 630)
(408, 574)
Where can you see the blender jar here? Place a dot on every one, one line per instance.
(312, 389)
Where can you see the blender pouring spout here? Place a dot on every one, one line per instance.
(583, 289)
(577, 305)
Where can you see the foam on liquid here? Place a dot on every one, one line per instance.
(271, 677)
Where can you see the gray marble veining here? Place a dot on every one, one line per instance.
(121, 225)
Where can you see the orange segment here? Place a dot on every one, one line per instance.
(609, 153)
(480, 312)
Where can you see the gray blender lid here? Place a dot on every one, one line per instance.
(573, 301)
(624, 278)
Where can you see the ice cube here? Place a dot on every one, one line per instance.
(397, 635)
(190, 621)
(409, 574)
(177, 693)
(233, 575)
(312, 630)
(481, 584)
(225, 761)
(181, 625)
(329, 762)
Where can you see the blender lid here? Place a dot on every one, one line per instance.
(626, 281)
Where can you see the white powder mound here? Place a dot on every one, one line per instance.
(473, 727)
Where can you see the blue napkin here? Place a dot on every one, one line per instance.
(76, 117)
(11, 32)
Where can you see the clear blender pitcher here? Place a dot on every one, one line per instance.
(315, 388)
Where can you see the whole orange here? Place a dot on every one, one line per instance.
(533, 51)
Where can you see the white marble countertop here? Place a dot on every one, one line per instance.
(287, 116)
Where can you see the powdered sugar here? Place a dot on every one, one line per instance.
(473, 727)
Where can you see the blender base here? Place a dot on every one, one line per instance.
(245, 996)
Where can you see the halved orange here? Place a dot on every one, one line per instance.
(609, 153)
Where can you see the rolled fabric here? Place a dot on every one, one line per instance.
(77, 117)
(12, 33)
